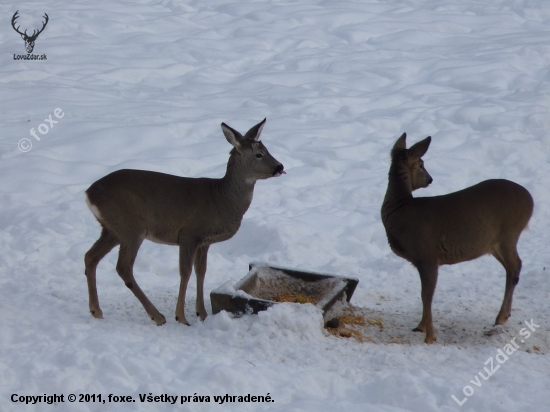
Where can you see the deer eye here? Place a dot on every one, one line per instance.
(259, 155)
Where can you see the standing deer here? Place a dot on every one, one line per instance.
(487, 218)
(29, 40)
(192, 213)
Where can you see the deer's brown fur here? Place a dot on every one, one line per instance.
(192, 213)
(486, 218)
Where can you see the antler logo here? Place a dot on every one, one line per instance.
(29, 40)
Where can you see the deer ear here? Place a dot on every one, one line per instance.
(232, 136)
(419, 149)
(400, 144)
(254, 132)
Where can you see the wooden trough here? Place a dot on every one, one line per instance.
(265, 286)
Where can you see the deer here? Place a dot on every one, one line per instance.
(487, 218)
(192, 213)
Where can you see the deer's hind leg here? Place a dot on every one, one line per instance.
(126, 258)
(508, 256)
(106, 242)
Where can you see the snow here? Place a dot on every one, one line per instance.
(146, 84)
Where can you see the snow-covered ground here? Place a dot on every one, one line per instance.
(146, 84)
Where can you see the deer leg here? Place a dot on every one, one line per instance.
(106, 242)
(509, 258)
(124, 267)
(187, 256)
(428, 279)
(200, 272)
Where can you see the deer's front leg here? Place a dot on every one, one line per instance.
(428, 277)
(200, 272)
(187, 253)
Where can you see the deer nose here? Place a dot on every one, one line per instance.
(279, 170)
(430, 180)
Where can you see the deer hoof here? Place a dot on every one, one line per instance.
(97, 313)
(161, 320)
(417, 329)
(501, 320)
(429, 340)
(182, 321)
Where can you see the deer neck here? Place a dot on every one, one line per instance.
(399, 189)
(236, 188)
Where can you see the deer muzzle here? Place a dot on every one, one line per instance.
(279, 170)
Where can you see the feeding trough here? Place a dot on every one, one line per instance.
(265, 286)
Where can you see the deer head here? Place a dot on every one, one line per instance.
(29, 40)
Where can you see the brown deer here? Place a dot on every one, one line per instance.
(29, 40)
(192, 213)
(486, 218)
